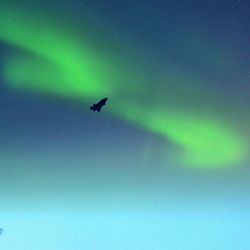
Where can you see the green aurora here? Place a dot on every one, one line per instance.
(70, 63)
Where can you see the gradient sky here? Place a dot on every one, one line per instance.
(165, 165)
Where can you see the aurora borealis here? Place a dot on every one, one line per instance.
(61, 64)
(174, 131)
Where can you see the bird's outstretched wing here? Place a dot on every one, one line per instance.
(102, 102)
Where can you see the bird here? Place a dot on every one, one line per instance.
(98, 106)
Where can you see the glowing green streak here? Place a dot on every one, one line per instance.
(206, 143)
(78, 67)
(56, 61)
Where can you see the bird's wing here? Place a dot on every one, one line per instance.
(103, 101)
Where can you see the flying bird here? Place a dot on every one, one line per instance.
(98, 106)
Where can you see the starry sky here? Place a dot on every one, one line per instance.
(165, 165)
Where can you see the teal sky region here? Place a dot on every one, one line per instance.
(174, 133)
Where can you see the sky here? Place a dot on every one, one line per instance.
(164, 165)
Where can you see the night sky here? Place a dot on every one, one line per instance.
(164, 165)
